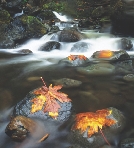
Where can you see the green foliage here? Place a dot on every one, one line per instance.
(24, 1)
(54, 6)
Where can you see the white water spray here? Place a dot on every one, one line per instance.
(63, 18)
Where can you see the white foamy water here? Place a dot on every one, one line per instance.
(41, 59)
(63, 18)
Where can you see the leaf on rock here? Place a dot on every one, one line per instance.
(74, 57)
(92, 122)
(47, 98)
(38, 103)
(105, 54)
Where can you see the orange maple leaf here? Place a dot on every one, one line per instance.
(92, 122)
(105, 54)
(74, 57)
(47, 97)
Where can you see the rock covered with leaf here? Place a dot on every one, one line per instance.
(45, 103)
(95, 129)
(74, 60)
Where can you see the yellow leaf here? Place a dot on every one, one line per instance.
(93, 121)
(53, 114)
(38, 103)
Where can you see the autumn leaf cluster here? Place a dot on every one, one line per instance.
(47, 99)
(92, 122)
(74, 57)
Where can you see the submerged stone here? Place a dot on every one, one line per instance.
(97, 69)
(67, 83)
(127, 143)
(129, 77)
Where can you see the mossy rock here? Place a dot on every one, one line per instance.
(33, 25)
(4, 17)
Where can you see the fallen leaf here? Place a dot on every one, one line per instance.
(74, 57)
(47, 99)
(92, 122)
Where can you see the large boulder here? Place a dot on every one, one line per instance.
(25, 27)
(80, 47)
(46, 15)
(14, 6)
(68, 36)
(74, 60)
(97, 69)
(24, 108)
(125, 44)
(96, 140)
(5, 41)
(119, 59)
(50, 45)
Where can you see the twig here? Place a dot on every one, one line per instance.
(104, 137)
(43, 81)
(43, 138)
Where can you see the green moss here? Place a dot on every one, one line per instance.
(105, 19)
(54, 6)
(5, 16)
(33, 24)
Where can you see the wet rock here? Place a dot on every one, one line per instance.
(19, 128)
(127, 143)
(49, 46)
(76, 61)
(110, 55)
(97, 69)
(46, 15)
(85, 23)
(54, 29)
(96, 140)
(80, 47)
(24, 108)
(129, 77)
(119, 59)
(14, 6)
(4, 16)
(24, 27)
(25, 51)
(124, 67)
(5, 41)
(125, 44)
(68, 36)
(67, 83)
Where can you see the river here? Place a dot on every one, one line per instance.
(20, 73)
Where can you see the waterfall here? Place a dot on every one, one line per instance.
(19, 14)
(63, 18)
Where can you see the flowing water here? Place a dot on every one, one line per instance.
(20, 73)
